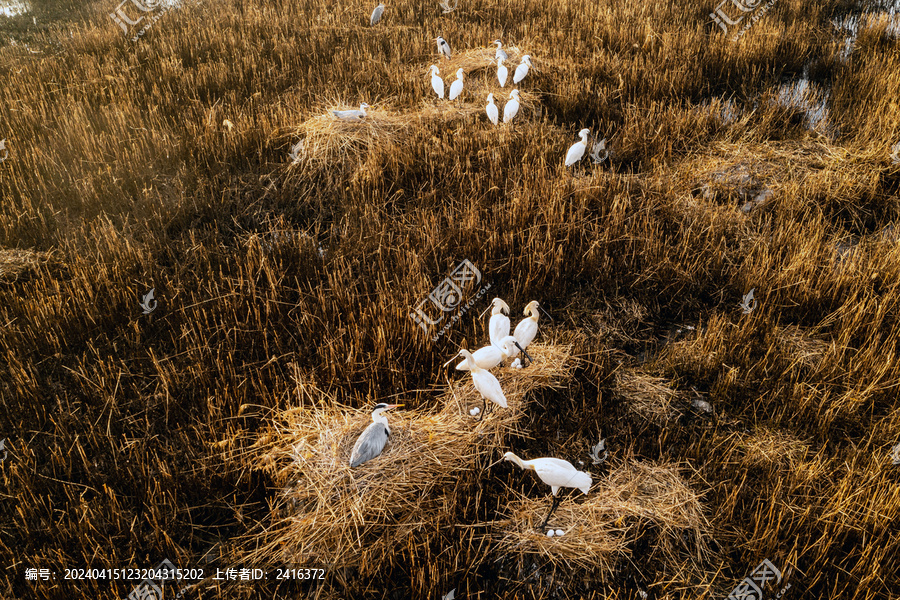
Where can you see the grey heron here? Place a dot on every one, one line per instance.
(372, 441)
(500, 53)
(443, 47)
(376, 14)
(576, 151)
(556, 473)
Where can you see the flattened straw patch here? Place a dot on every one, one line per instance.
(634, 500)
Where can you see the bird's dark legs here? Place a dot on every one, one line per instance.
(484, 410)
(556, 500)
(528, 356)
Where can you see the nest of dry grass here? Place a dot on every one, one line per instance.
(364, 518)
(653, 398)
(634, 499)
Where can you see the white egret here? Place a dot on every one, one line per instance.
(491, 109)
(557, 474)
(443, 47)
(502, 71)
(491, 356)
(576, 151)
(486, 384)
(456, 87)
(498, 326)
(437, 84)
(500, 53)
(351, 115)
(527, 328)
(376, 14)
(522, 69)
(512, 107)
(372, 441)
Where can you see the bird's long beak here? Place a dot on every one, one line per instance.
(499, 460)
(490, 306)
(545, 312)
(522, 350)
(394, 406)
(454, 357)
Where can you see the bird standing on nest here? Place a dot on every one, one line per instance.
(522, 69)
(437, 84)
(486, 384)
(556, 473)
(491, 356)
(351, 115)
(498, 326)
(372, 441)
(376, 15)
(443, 47)
(512, 107)
(527, 329)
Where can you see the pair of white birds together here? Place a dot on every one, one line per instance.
(503, 72)
(437, 84)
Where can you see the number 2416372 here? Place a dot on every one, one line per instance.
(300, 573)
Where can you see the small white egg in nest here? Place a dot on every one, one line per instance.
(474, 412)
(560, 533)
(516, 364)
(550, 533)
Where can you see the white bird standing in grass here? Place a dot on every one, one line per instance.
(500, 53)
(456, 87)
(372, 441)
(491, 109)
(502, 72)
(527, 328)
(512, 107)
(556, 473)
(491, 356)
(376, 15)
(522, 69)
(443, 47)
(437, 84)
(577, 150)
(498, 325)
(351, 115)
(486, 384)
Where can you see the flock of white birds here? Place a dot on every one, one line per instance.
(501, 346)
(510, 110)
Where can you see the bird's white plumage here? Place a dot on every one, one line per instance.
(376, 14)
(491, 356)
(351, 115)
(492, 111)
(502, 72)
(576, 151)
(498, 326)
(437, 84)
(522, 69)
(555, 472)
(512, 107)
(527, 328)
(456, 87)
(486, 384)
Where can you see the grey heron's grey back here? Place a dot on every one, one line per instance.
(369, 445)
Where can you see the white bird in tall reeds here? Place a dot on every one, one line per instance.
(577, 150)
(498, 325)
(491, 356)
(372, 441)
(456, 87)
(527, 328)
(522, 69)
(437, 84)
(443, 47)
(491, 109)
(512, 107)
(502, 72)
(485, 382)
(351, 115)
(556, 473)
(376, 15)
(500, 53)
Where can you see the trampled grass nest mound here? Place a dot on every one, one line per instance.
(634, 499)
(373, 515)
